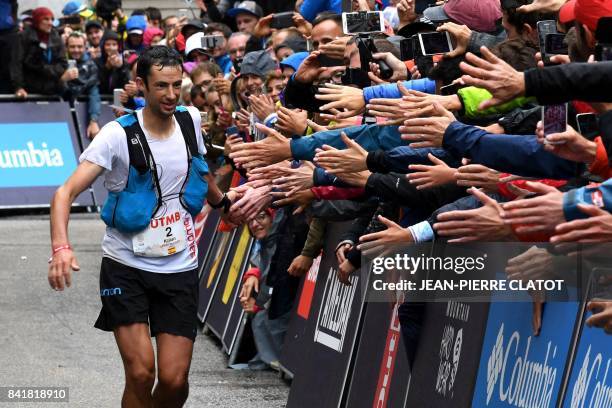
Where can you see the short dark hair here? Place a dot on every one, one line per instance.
(518, 19)
(327, 15)
(157, 55)
(218, 27)
(518, 53)
(153, 13)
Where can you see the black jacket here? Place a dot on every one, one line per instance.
(302, 96)
(38, 68)
(576, 81)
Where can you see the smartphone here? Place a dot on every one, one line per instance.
(407, 49)
(588, 125)
(554, 44)
(554, 118)
(210, 42)
(203, 117)
(362, 22)
(451, 89)
(435, 43)
(72, 64)
(71, 20)
(603, 52)
(232, 130)
(327, 61)
(116, 96)
(282, 20)
(545, 27)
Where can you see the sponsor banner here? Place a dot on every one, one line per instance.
(518, 369)
(447, 355)
(38, 152)
(238, 267)
(205, 225)
(381, 371)
(330, 335)
(229, 281)
(295, 337)
(590, 380)
(211, 271)
(106, 115)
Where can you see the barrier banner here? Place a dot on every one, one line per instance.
(590, 375)
(210, 271)
(291, 353)
(205, 224)
(331, 333)
(238, 266)
(229, 282)
(38, 152)
(106, 115)
(448, 354)
(518, 369)
(381, 371)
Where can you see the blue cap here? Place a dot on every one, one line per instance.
(73, 7)
(294, 60)
(136, 24)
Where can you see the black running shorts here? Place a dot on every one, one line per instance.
(168, 302)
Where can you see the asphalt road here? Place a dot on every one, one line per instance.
(47, 338)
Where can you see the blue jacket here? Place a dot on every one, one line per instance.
(391, 91)
(370, 137)
(515, 154)
(310, 8)
(225, 63)
(599, 195)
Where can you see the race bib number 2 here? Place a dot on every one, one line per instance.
(164, 236)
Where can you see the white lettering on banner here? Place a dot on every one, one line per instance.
(530, 383)
(191, 241)
(31, 157)
(335, 311)
(602, 392)
(450, 348)
(388, 360)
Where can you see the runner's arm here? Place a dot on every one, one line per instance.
(83, 177)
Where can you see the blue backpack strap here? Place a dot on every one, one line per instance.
(185, 121)
(139, 151)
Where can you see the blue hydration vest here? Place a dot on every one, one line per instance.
(131, 209)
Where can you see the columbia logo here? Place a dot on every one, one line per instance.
(31, 157)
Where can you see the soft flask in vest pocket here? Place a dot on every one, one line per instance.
(131, 209)
(194, 190)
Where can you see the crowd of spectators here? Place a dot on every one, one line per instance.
(305, 144)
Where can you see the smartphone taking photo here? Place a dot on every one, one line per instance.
(588, 125)
(210, 42)
(435, 43)
(545, 27)
(282, 20)
(363, 22)
(554, 120)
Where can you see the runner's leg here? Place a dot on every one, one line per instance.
(134, 342)
(173, 362)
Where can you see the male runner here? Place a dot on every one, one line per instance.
(149, 295)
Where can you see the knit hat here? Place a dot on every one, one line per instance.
(150, 33)
(39, 13)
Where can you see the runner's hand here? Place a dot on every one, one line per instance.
(60, 274)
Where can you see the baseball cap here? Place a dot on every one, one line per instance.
(198, 24)
(194, 42)
(247, 6)
(294, 60)
(136, 24)
(297, 44)
(73, 7)
(257, 63)
(479, 15)
(92, 24)
(587, 12)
